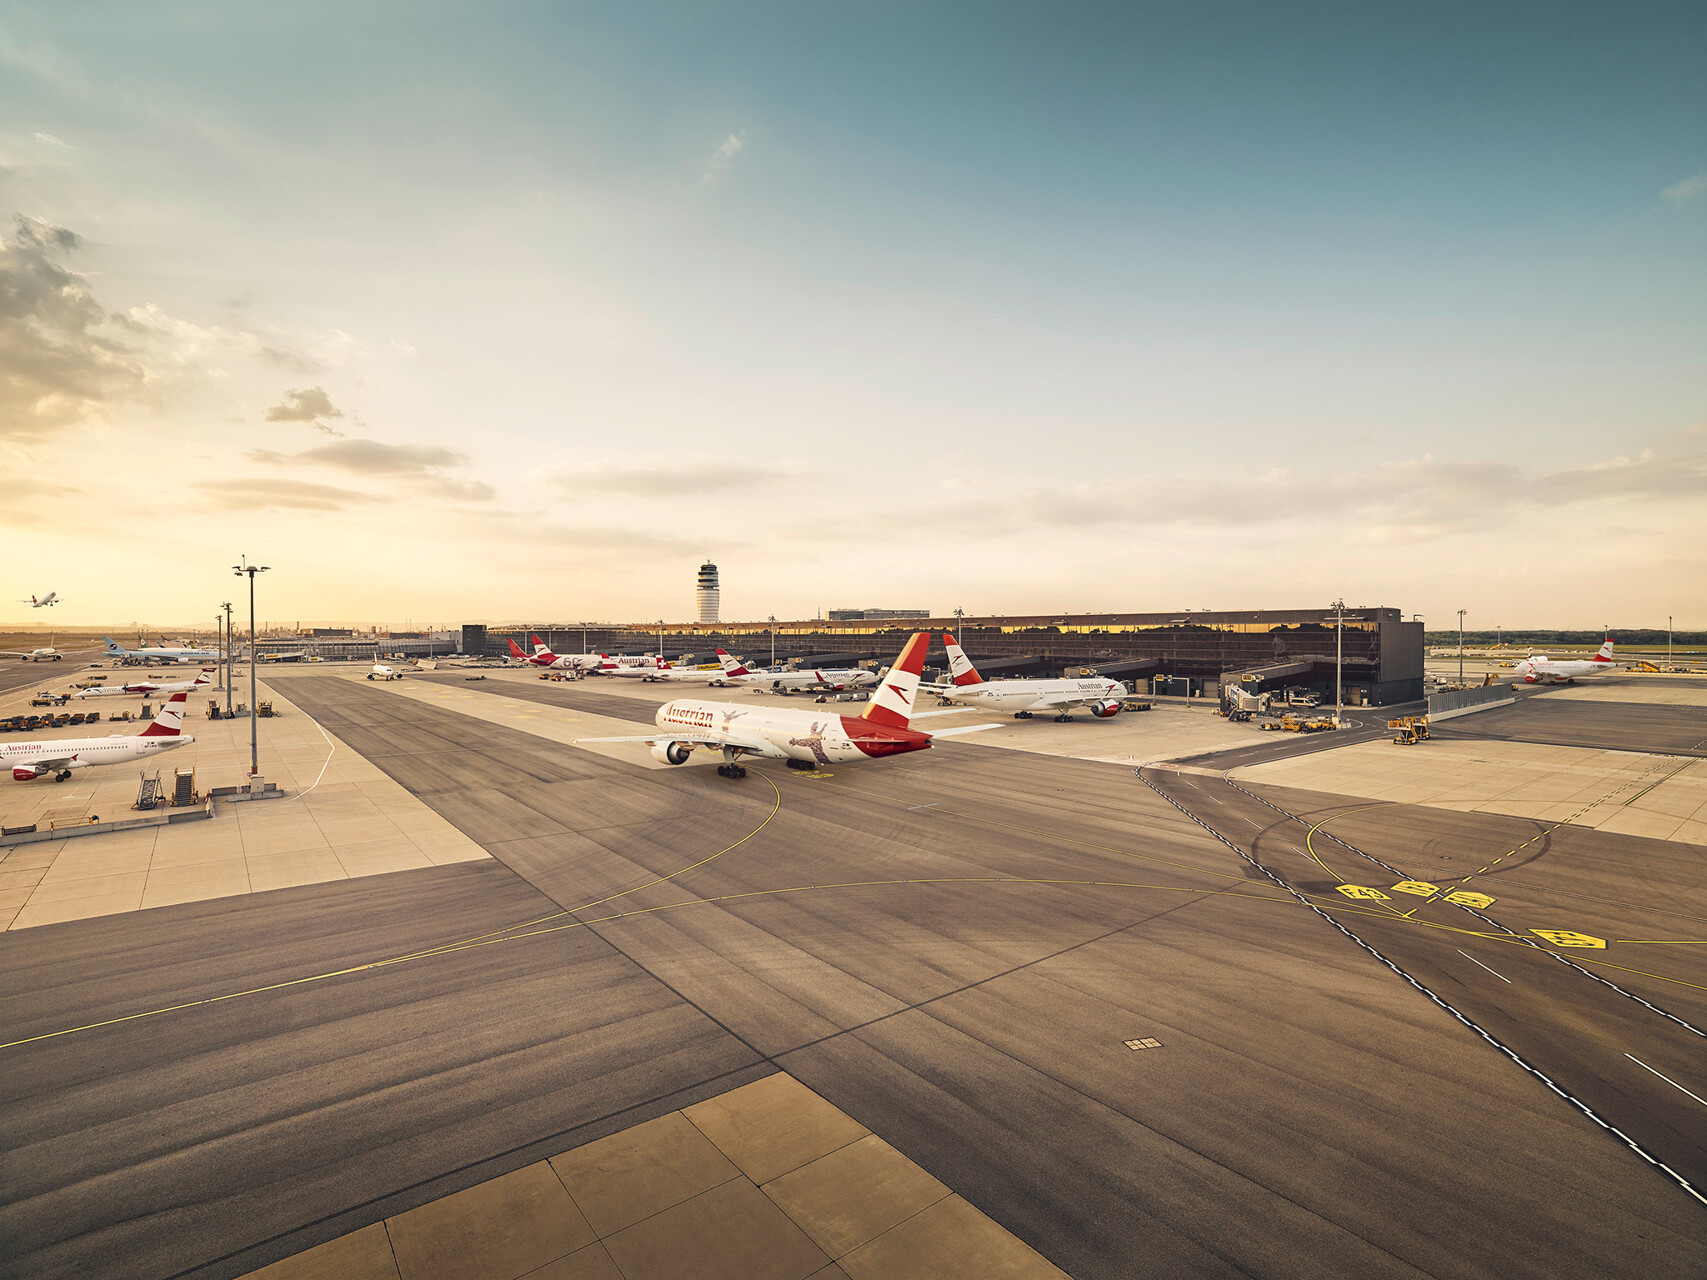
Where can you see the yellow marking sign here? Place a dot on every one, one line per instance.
(1465, 898)
(1362, 891)
(1569, 938)
(1422, 888)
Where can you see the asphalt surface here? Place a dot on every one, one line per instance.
(951, 946)
(22, 674)
(1611, 726)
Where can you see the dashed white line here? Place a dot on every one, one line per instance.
(1472, 959)
(1254, 823)
(1674, 1084)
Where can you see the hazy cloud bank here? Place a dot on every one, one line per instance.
(59, 359)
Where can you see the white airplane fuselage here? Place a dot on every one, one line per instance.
(20, 758)
(1541, 670)
(799, 735)
(1035, 696)
(142, 688)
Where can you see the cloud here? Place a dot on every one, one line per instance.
(373, 458)
(655, 478)
(311, 405)
(726, 151)
(51, 141)
(419, 465)
(1411, 501)
(255, 493)
(62, 364)
(1687, 189)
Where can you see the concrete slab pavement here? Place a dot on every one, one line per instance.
(766, 1182)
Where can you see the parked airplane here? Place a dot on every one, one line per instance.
(542, 656)
(52, 597)
(654, 668)
(59, 756)
(164, 654)
(147, 687)
(1026, 697)
(1538, 668)
(383, 672)
(47, 653)
(785, 680)
(805, 739)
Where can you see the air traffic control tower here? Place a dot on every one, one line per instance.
(707, 593)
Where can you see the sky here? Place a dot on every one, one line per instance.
(456, 312)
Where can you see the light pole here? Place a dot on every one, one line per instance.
(1461, 614)
(1339, 656)
(250, 570)
(230, 658)
(772, 629)
(1669, 661)
(959, 623)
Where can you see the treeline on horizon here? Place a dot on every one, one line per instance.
(1517, 639)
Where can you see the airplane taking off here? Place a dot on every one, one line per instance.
(59, 756)
(805, 739)
(146, 687)
(146, 654)
(52, 597)
(1538, 668)
(784, 681)
(1026, 697)
(47, 653)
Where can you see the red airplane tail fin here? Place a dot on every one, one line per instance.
(892, 704)
(170, 722)
(959, 665)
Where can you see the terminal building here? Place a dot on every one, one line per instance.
(1382, 654)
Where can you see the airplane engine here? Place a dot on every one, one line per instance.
(23, 773)
(1106, 708)
(1531, 678)
(672, 752)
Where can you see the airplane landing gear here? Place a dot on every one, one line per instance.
(1022, 715)
(801, 764)
(1063, 718)
(732, 771)
(62, 775)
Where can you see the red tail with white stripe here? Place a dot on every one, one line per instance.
(892, 704)
(170, 722)
(959, 665)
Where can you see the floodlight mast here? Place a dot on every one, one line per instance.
(250, 570)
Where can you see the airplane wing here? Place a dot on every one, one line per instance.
(962, 728)
(1065, 702)
(936, 688)
(752, 746)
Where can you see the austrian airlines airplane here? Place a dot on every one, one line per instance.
(148, 686)
(805, 739)
(1540, 669)
(52, 597)
(1026, 697)
(830, 679)
(59, 756)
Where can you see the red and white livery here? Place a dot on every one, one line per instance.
(59, 756)
(805, 739)
(145, 688)
(1538, 668)
(1025, 698)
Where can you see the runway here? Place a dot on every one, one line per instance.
(952, 947)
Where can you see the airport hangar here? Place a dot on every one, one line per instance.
(1382, 653)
